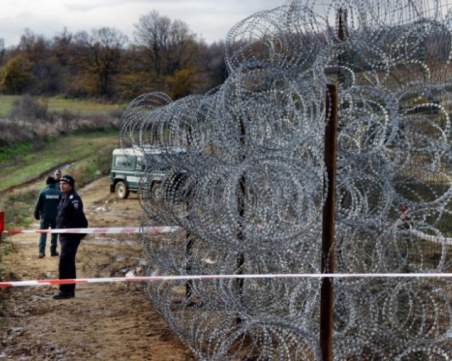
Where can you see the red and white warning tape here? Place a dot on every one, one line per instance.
(106, 230)
(53, 282)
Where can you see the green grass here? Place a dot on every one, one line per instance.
(57, 104)
(86, 156)
(17, 150)
(83, 107)
(5, 104)
(22, 163)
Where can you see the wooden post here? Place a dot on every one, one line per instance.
(188, 237)
(342, 34)
(188, 267)
(241, 209)
(328, 227)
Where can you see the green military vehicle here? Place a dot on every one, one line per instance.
(135, 168)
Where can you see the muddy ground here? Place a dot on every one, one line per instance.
(104, 321)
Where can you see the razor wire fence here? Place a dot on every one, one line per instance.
(249, 188)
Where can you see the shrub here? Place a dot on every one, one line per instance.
(27, 108)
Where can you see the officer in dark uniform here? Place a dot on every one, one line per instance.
(70, 215)
(46, 209)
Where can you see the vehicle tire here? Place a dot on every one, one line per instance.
(121, 190)
(156, 191)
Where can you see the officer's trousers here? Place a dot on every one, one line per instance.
(45, 224)
(69, 244)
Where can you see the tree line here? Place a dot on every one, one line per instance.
(165, 55)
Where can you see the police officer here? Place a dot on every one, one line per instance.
(57, 175)
(70, 215)
(46, 210)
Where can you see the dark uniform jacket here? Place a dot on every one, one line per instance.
(47, 204)
(70, 212)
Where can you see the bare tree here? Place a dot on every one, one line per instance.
(37, 50)
(169, 51)
(152, 33)
(62, 47)
(100, 52)
(214, 63)
(2, 50)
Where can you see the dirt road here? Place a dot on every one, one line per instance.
(104, 321)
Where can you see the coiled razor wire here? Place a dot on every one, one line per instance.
(244, 177)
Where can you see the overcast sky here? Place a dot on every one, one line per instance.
(209, 19)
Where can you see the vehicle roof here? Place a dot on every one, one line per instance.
(147, 150)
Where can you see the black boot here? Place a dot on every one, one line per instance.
(63, 295)
(53, 252)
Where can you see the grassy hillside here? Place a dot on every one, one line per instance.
(23, 163)
(86, 156)
(76, 136)
(30, 122)
(57, 104)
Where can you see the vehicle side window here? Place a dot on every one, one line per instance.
(140, 163)
(122, 161)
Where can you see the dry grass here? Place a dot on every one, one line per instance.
(38, 131)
